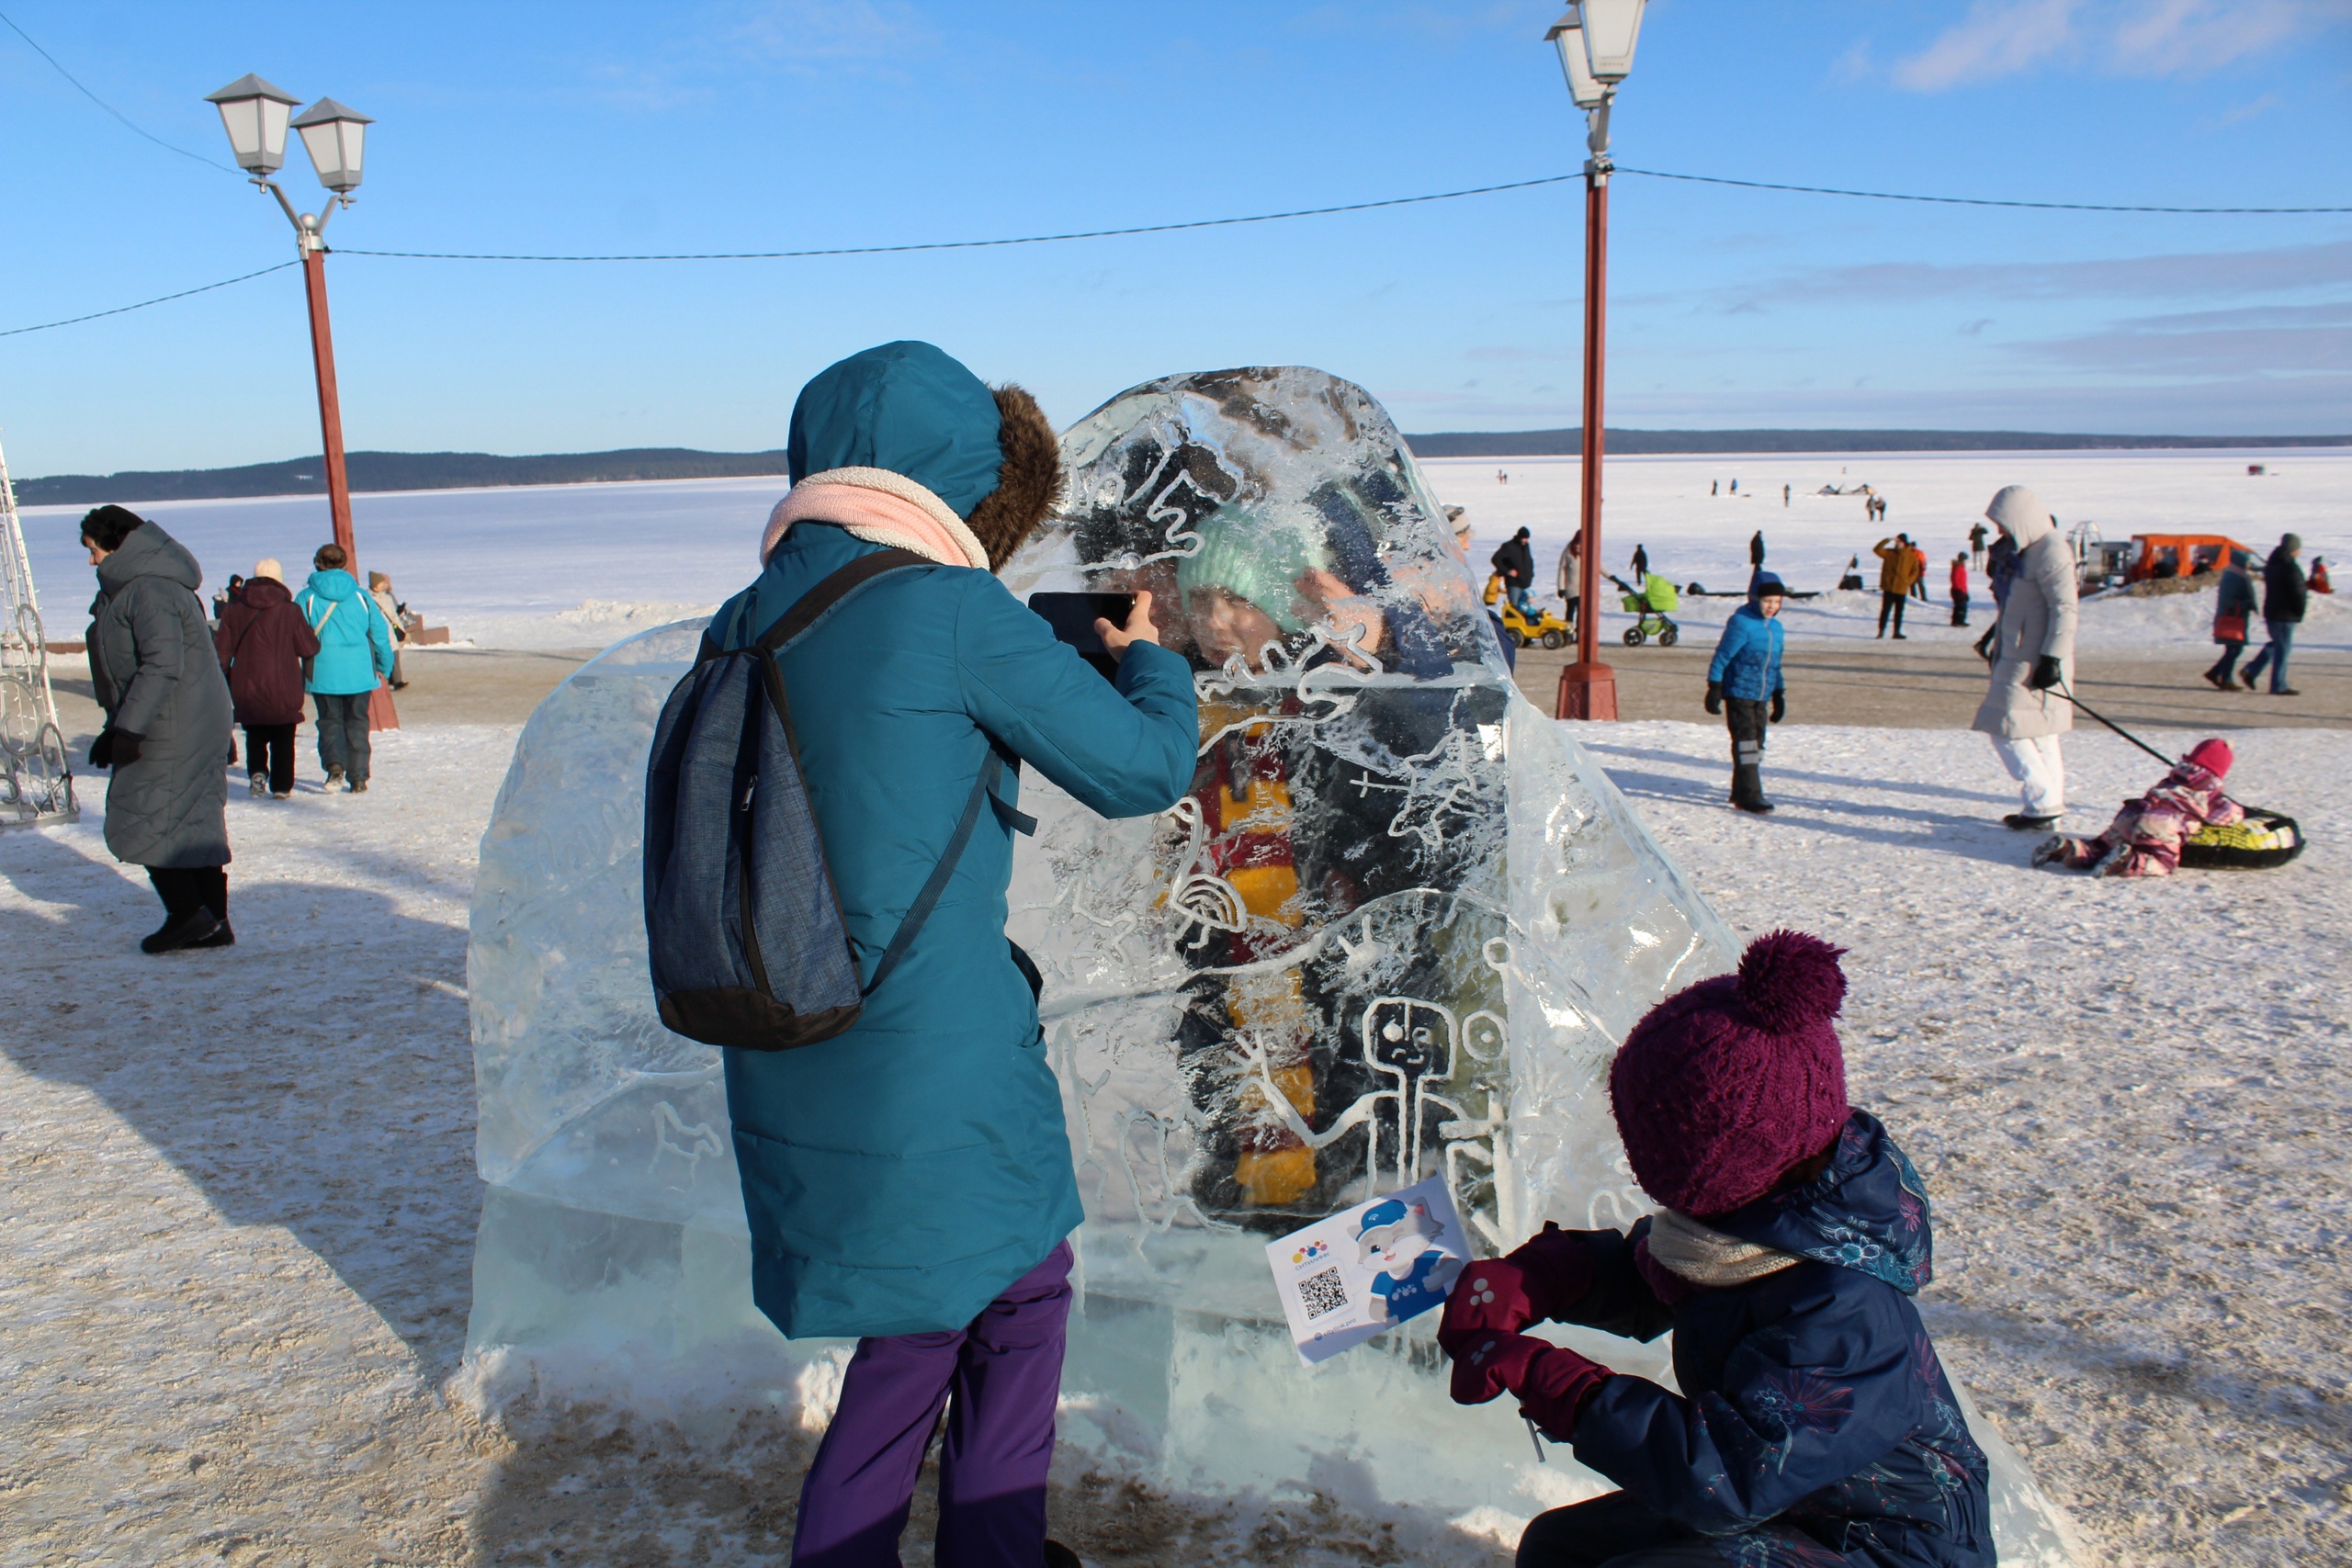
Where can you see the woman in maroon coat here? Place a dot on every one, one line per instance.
(261, 642)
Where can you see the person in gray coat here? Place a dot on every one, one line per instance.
(166, 735)
(2025, 711)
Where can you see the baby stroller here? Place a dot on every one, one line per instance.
(1649, 605)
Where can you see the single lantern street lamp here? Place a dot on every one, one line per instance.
(256, 115)
(1595, 40)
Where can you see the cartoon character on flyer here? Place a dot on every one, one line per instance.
(1410, 1275)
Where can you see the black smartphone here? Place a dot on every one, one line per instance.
(1072, 618)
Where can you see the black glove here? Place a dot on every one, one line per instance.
(102, 750)
(2046, 674)
(1779, 705)
(1715, 696)
(126, 747)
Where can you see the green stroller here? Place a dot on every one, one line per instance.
(1649, 605)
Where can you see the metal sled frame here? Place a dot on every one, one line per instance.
(38, 788)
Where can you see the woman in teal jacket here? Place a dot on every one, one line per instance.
(910, 1181)
(355, 650)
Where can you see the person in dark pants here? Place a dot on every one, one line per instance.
(1743, 685)
(1898, 570)
(354, 653)
(1514, 561)
(261, 642)
(1976, 538)
(2285, 596)
(2233, 607)
(166, 729)
(1809, 1423)
(1959, 591)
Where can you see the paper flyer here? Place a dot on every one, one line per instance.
(1361, 1273)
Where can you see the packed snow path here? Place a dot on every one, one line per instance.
(237, 1197)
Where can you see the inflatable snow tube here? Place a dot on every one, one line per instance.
(2264, 840)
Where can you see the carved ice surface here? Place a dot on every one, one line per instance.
(1397, 930)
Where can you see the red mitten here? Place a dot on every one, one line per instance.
(1552, 1390)
(1555, 1269)
(1489, 1296)
(1488, 1362)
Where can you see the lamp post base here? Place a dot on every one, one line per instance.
(1587, 690)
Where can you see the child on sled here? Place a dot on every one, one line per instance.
(2144, 839)
(1814, 1423)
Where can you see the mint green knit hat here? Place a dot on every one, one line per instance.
(1253, 561)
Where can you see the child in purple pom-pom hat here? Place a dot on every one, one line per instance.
(1815, 1424)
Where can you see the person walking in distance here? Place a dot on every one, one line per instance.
(908, 1182)
(2024, 711)
(354, 653)
(2233, 607)
(1642, 562)
(1899, 569)
(1572, 576)
(1743, 685)
(166, 725)
(1785, 493)
(1755, 559)
(379, 589)
(1976, 538)
(1515, 561)
(261, 645)
(1959, 591)
(1919, 581)
(2285, 597)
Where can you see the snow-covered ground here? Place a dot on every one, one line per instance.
(582, 566)
(237, 1196)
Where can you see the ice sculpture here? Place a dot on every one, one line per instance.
(1396, 930)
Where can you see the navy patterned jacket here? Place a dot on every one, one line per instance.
(1815, 1425)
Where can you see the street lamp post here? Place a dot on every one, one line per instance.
(1595, 41)
(256, 116)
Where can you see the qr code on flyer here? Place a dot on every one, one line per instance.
(1322, 1293)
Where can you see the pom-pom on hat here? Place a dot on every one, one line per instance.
(1723, 1087)
(2214, 756)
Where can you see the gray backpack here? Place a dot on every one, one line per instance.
(741, 920)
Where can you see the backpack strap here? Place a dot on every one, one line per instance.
(813, 605)
(983, 789)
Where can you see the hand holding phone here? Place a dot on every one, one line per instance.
(1098, 626)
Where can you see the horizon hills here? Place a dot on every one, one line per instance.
(380, 471)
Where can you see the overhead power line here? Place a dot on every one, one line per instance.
(159, 299)
(984, 244)
(135, 129)
(1976, 200)
(1171, 227)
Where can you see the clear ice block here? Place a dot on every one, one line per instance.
(1397, 929)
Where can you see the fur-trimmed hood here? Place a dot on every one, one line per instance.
(923, 452)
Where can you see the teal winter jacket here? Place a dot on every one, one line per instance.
(899, 1177)
(354, 640)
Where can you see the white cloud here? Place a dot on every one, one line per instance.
(2122, 38)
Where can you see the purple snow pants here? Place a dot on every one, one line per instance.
(1004, 1370)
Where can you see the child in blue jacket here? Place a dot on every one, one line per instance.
(1743, 682)
(1815, 1425)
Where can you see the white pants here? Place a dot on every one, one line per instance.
(2033, 760)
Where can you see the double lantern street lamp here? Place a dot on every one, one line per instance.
(1596, 43)
(256, 116)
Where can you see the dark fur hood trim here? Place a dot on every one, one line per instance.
(1028, 484)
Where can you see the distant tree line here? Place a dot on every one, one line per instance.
(463, 470)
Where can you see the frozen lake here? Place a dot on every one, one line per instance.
(579, 566)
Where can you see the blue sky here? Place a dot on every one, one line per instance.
(775, 124)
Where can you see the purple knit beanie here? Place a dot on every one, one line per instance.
(1724, 1085)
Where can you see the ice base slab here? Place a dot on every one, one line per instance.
(656, 1317)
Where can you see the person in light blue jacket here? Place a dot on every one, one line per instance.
(354, 653)
(909, 1181)
(1743, 682)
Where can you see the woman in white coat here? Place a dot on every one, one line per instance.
(2033, 656)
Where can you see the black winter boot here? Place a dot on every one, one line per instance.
(188, 930)
(1748, 789)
